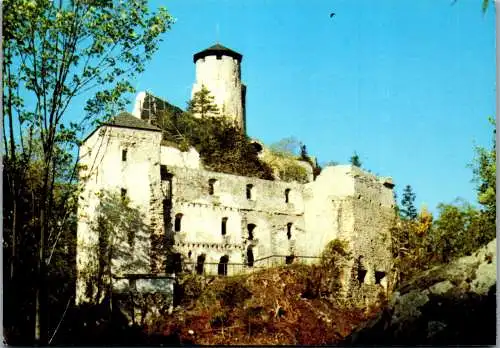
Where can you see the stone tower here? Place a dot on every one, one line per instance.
(218, 68)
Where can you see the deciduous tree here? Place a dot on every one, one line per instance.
(55, 51)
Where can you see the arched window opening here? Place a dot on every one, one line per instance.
(249, 191)
(289, 230)
(250, 258)
(177, 223)
(287, 195)
(379, 275)
(223, 226)
(222, 267)
(211, 186)
(250, 228)
(200, 264)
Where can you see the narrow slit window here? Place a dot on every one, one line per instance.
(250, 258)
(124, 155)
(289, 230)
(287, 196)
(177, 223)
(223, 226)
(123, 193)
(251, 228)
(249, 191)
(164, 174)
(200, 264)
(211, 186)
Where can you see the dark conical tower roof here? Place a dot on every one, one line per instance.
(217, 50)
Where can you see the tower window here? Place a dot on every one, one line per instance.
(211, 186)
(249, 191)
(123, 193)
(250, 228)
(287, 195)
(224, 226)
(289, 230)
(177, 223)
(124, 155)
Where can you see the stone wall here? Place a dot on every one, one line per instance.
(192, 212)
(349, 204)
(204, 210)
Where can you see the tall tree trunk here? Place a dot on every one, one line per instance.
(41, 334)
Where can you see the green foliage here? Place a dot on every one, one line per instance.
(203, 104)
(287, 147)
(332, 260)
(191, 287)
(408, 210)
(459, 231)
(53, 52)
(333, 252)
(355, 160)
(119, 227)
(221, 145)
(284, 156)
(484, 170)
(293, 172)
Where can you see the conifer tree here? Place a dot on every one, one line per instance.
(203, 103)
(355, 161)
(408, 210)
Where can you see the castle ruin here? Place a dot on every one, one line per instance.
(216, 223)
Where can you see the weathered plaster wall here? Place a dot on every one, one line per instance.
(202, 214)
(222, 77)
(139, 175)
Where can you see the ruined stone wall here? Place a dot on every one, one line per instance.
(139, 174)
(350, 204)
(203, 214)
(222, 77)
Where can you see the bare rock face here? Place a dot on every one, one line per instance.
(450, 304)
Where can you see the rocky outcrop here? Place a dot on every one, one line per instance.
(450, 304)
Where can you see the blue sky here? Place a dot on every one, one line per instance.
(409, 85)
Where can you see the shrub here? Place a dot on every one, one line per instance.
(234, 293)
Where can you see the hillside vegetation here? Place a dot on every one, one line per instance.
(284, 305)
